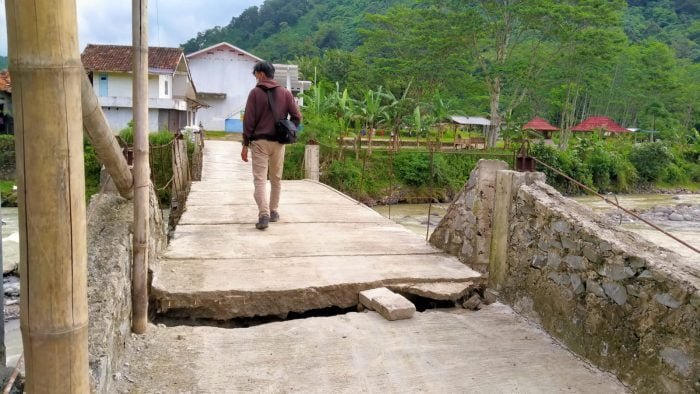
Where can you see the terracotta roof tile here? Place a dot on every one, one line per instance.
(600, 122)
(118, 58)
(5, 83)
(539, 124)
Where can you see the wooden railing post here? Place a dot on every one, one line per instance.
(102, 139)
(142, 178)
(46, 77)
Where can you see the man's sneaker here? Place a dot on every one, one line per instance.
(274, 216)
(263, 222)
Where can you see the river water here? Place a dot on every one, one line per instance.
(415, 217)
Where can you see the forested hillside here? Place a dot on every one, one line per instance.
(637, 61)
(3, 62)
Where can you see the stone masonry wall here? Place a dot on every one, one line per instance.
(109, 281)
(610, 296)
(465, 231)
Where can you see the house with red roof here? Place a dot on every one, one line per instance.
(602, 123)
(172, 95)
(223, 74)
(6, 124)
(542, 126)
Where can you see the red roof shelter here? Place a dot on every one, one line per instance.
(541, 125)
(600, 123)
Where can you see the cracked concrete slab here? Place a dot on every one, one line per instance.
(326, 248)
(447, 351)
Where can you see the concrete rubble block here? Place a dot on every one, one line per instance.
(490, 296)
(439, 291)
(390, 305)
(473, 303)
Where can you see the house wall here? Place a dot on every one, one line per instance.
(119, 118)
(165, 86)
(222, 71)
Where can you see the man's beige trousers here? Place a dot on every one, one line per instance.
(268, 159)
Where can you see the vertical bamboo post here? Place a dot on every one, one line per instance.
(102, 139)
(46, 74)
(142, 179)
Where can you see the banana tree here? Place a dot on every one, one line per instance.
(371, 111)
(395, 114)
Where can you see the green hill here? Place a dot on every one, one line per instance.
(284, 29)
(3, 62)
(281, 30)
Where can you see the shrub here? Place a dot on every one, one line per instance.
(413, 168)
(92, 169)
(344, 175)
(293, 162)
(675, 175)
(7, 155)
(650, 159)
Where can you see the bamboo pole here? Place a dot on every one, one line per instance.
(142, 179)
(102, 139)
(46, 74)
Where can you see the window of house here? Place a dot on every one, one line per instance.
(103, 85)
(166, 87)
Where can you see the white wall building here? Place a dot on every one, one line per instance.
(223, 75)
(171, 93)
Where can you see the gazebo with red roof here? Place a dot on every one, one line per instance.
(541, 125)
(600, 123)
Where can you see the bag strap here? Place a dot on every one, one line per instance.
(271, 103)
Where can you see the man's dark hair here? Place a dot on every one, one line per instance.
(266, 67)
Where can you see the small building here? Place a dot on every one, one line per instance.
(602, 123)
(172, 102)
(470, 121)
(6, 120)
(223, 74)
(541, 126)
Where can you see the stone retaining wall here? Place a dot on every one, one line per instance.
(109, 282)
(612, 297)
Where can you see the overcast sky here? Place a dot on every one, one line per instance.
(171, 22)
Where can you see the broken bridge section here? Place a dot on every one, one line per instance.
(323, 252)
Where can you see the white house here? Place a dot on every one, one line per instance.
(223, 74)
(172, 99)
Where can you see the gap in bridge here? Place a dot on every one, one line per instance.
(175, 318)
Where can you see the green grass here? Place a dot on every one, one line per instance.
(6, 191)
(222, 135)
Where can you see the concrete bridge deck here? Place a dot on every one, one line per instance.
(325, 249)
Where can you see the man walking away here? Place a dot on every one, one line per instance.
(260, 137)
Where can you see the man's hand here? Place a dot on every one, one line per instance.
(244, 154)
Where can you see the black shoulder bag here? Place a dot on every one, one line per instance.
(286, 129)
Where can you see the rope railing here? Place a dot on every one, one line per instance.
(613, 203)
(433, 149)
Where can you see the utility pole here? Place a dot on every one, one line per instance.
(142, 178)
(46, 77)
